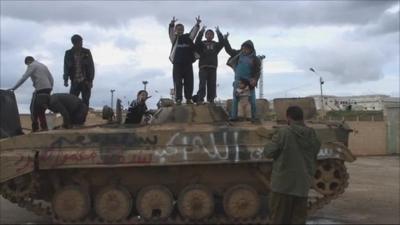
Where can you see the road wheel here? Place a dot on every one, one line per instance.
(241, 202)
(113, 203)
(196, 202)
(71, 203)
(154, 203)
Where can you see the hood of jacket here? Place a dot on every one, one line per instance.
(304, 134)
(250, 43)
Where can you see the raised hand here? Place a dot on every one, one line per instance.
(198, 20)
(174, 20)
(226, 35)
(253, 82)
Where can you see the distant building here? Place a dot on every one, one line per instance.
(356, 102)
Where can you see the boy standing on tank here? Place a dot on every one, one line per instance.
(182, 57)
(294, 150)
(208, 63)
(246, 65)
(79, 68)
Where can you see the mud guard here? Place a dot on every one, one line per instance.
(16, 163)
(335, 150)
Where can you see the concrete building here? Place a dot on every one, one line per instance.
(356, 102)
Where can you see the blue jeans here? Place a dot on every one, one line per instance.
(235, 101)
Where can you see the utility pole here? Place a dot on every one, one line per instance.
(145, 82)
(112, 98)
(261, 82)
(321, 82)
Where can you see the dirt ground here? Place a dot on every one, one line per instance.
(373, 197)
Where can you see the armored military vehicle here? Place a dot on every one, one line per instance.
(189, 165)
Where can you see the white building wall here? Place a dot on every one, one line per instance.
(362, 102)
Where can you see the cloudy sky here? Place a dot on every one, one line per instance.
(353, 45)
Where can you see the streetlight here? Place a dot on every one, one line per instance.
(321, 82)
(112, 98)
(145, 82)
(261, 81)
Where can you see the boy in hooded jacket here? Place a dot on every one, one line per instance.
(246, 65)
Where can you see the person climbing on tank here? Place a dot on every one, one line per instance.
(72, 109)
(183, 56)
(294, 150)
(208, 63)
(43, 83)
(138, 111)
(246, 65)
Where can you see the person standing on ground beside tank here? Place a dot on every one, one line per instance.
(137, 109)
(79, 68)
(246, 65)
(182, 57)
(43, 83)
(208, 63)
(294, 150)
(72, 109)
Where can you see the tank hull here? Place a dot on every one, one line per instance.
(175, 172)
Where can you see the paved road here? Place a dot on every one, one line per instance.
(11, 214)
(372, 197)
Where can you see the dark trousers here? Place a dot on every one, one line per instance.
(287, 209)
(38, 111)
(183, 77)
(79, 116)
(208, 81)
(81, 88)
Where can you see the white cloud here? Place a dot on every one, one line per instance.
(349, 43)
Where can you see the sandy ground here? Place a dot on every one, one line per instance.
(372, 197)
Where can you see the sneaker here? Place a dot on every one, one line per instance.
(189, 102)
(233, 119)
(178, 102)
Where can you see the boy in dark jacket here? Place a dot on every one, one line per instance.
(137, 109)
(208, 63)
(182, 57)
(79, 68)
(72, 109)
(246, 65)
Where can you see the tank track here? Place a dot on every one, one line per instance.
(41, 208)
(26, 199)
(315, 203)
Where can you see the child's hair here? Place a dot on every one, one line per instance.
(209, 30)
(179, 25)
(140, 92)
